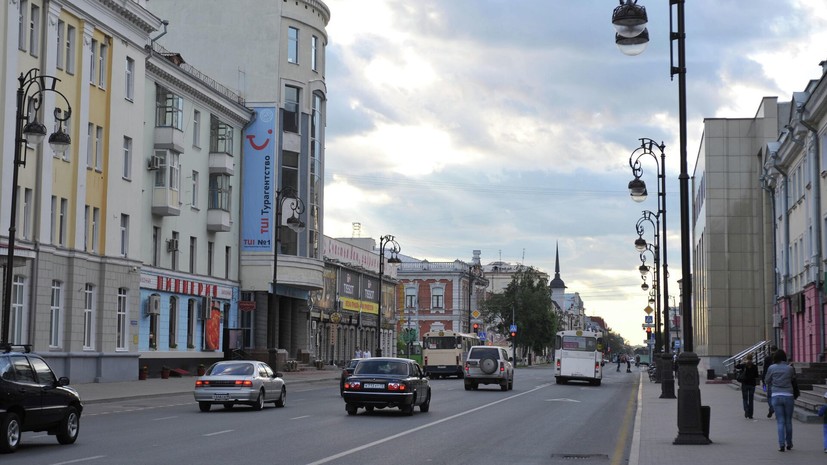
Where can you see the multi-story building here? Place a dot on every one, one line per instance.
(76, 294)
(273, 55)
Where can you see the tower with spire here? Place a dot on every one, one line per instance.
(557, 287)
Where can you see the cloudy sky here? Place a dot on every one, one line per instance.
(507, 125)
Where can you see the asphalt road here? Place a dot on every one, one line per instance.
(539, 422)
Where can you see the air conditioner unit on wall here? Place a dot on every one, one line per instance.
(154, 163)
(153, 305)
(172, 245)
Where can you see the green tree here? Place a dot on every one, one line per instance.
(526, 302)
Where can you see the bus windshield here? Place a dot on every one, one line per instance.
(584, 343)
(441, 342)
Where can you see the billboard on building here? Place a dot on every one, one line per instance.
(260, 178)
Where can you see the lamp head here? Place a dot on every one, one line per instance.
(637, 189)
(632, 45)
(629, 19)
(644, 270)
(640, 244)
(59, 141)
(645, 287)
(34, 131)
(295, 223)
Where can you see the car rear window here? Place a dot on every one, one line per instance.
(232, 369)
(381, 367)
(484, 352)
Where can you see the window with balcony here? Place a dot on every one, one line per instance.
(221, 136)
(169, 109)
(220, 191)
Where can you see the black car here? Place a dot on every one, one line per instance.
(32, 398)
(387, 382)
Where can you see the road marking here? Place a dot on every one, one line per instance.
(419, 428)
(219, 432)
(299, 418)
(164, 418)
(634, 450)
(86, 459)
(562, 400)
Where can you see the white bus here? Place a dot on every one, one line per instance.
(444, 352)
(577, 356)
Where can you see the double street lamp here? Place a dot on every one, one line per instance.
(630, 23)
(389, 242)
(31, 91)
(286, 194)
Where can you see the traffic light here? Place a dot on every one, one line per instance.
(648, 333)
(513, 333)
(476, 328)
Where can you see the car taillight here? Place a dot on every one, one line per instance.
(353, 385)
(200, 383)
(243, 382)
(558, 363)
(397, 387)
(502, 366)
(596, 366)
(467, 366)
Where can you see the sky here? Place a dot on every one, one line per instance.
(507, 126)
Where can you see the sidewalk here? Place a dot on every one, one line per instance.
(92, 393)
(735, 439)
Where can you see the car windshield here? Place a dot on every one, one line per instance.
(484, 352)
(381, 367)
(232, 369)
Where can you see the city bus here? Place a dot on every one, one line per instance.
(444, 352)
(577, 356)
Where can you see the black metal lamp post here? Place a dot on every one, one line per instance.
(385, 241)
(28, 130)
(296, 224)
(474, 272)
(627, 19)
(655, 248)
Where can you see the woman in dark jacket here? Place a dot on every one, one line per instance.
(748, 381)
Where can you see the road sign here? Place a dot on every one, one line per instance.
(649, 319)
(512, 329)
(482, 336)
(648, 309)
(647, 325)
(475, 314)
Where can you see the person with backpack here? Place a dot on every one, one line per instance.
(747, 375)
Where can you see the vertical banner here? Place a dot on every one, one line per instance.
(260, 177)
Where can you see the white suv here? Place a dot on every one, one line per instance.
(488, 365)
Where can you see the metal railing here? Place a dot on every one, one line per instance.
(758, 351)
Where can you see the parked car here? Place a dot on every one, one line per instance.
(387, 382)
(32, 398)
(346, 372)
(489, 365)
(232, 382)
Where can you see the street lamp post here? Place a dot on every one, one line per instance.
(28, 130)
(655, 248)
(474, 272)
(385, 241)
(296, 224)
(630, 22)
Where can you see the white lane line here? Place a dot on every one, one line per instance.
(219, 432)
(418, 428)
(85, 459)
(164, 418)
(299, 418)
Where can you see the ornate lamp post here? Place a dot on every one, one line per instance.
(655, 248)
(629, 18)
(384, 242)
(28, 130)
(286, 194)
(474, 272)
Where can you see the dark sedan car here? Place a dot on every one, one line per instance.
(346, 372)
(387, 382)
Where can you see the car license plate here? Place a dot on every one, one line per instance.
(441, 366)
(220, 397)
(374, 386)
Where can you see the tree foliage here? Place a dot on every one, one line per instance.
(526, 302)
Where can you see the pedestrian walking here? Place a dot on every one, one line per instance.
(780, 377)
(822, 412)
(628, 364)
(619, 357)
(358, 353)
(767, 363)
(748, 377)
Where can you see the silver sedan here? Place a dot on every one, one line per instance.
(231, 382)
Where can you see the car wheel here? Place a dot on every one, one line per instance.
(204, 406)
(467, 385)
(407, 409)
(351, 409)
(9, 433)
(282, 397)
(488, 366)
(511, 384)
(69, 427)
(475, 385)
(597, 382)
(504, 385)
(259, 403)
(425, 406)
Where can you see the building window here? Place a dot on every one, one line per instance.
(168, 173)
(96, 216)
(291, 108)
(156, 245)
(175, 252)
(194, 198)
(98, 147)
(437, 297)
(34, 31)
(71, 40)
(93, 61)
(17, 322)
(124, 235)
(169, 109)
(53, 220)
(193, 253)
(120, 330)
(130, 79)
(220, 191)
(90, 145)
(54, 313)
(410, 297)
(102, 59)
(221, 136)
(292, 45)
(64, 221)
(23, 24)
(173, 322)
(86, 219)
(210, 255)
(61, 38)
(88, 316)
(191, 308)
(196, 128)
(314, 44)
(227, 257)
(127, 157)
(27, 213)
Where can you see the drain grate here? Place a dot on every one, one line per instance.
(580, 456)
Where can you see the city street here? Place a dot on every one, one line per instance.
(538, 422)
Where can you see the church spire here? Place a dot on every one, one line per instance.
(557, 283)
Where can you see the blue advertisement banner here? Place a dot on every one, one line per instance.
(258, 192)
